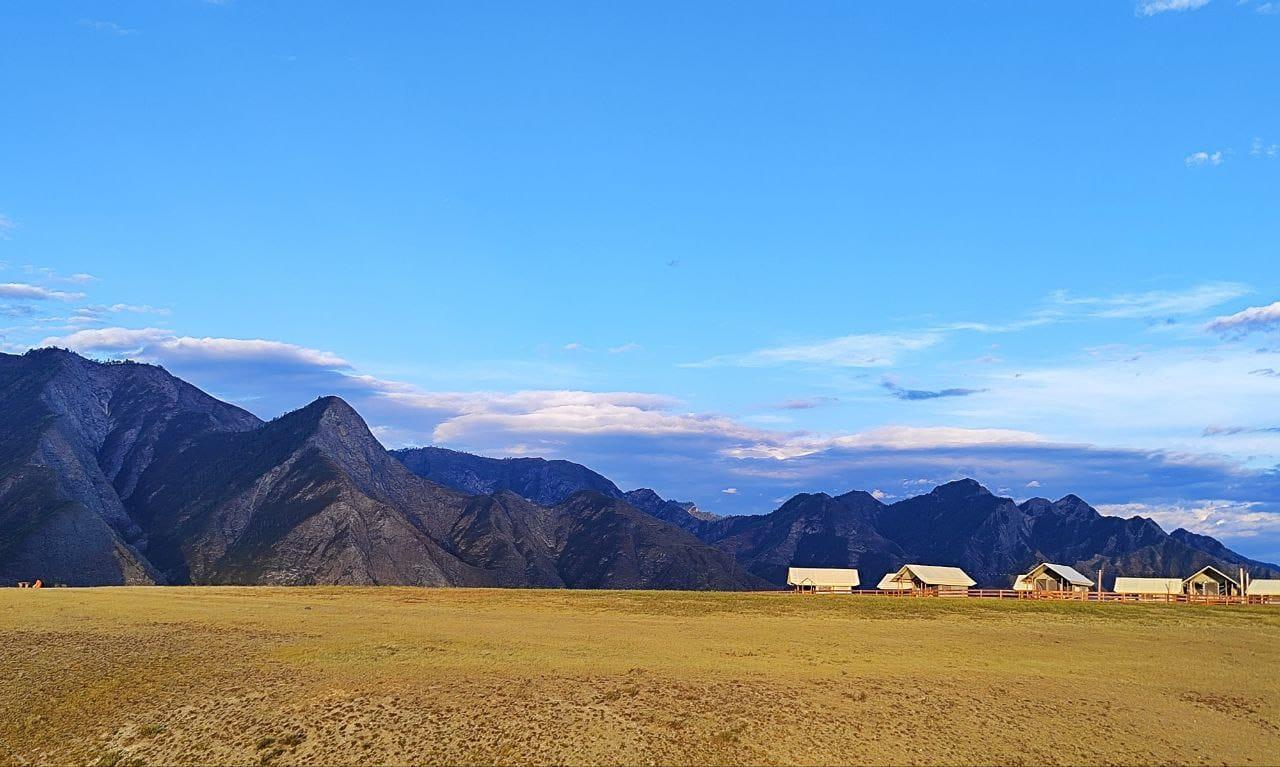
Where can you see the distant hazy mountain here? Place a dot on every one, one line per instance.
(121, 473)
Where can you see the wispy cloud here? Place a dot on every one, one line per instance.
(872, 350)
(1153, 303)
(1251, 320)
(806, 403)
(6, 226)
(913, 395)
(1227, 431)
(863, 350)
(1154, 7)
(624, 348)
(1202, 158)
(52, 275)
(31, 292)
(109, 27)
(1261, 149)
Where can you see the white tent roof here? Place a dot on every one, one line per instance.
(888, 583)
(1020, 582)
(1068, 574)
(822, 576)
(1206, 568)
(1148, 586)
(1264, 587)
(934, 575)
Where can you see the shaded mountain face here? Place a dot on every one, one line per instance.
(75, 436)
(309, 498)
(962, 524)
(810, 530)
(536, 479)
(123, 474)
(540, 481)
(683, 514)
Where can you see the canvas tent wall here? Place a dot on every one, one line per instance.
(1266, 590)
(1210, 582)
(1048, 576)
(822, 579)
(1148, 588)
(948, 581)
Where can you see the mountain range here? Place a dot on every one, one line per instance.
(120, 473)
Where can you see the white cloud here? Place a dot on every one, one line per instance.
(165, 347)
(730, 491)
(1218, 518)
(862, 350)
(624, 348)
(6, 226)
(1153, 7)
(1255, 318)
(1199, 159)
(1033, 483)
(880, 495)
(35, 292)
(573, 347)
(782, 447)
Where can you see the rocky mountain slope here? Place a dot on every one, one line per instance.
(123, 474)
(536, 479)
(75, 436)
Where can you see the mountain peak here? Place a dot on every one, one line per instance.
(960, 488)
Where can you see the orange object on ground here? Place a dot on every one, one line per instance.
(37, 584)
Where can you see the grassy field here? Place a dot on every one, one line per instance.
(398, 675)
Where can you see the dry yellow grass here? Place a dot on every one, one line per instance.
(341, 676)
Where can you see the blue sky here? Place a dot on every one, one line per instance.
(732, 251)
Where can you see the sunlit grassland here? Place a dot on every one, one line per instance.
(334, 675)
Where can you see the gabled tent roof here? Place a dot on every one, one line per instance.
(888, 583)
(1020, 582)
(1068, 574)
(1264, 587)
(1148, 586)
(934, 575)
(822, 576)
(1210, 569)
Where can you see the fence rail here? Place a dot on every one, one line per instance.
(1069, 596)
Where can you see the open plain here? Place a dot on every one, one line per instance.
(114, 676)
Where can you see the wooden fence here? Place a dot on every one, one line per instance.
(1073, 596)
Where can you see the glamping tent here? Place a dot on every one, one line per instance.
(822, 579)
(949, 581)
(887, 583)
(1149, 588)
(1267, 590)
(1050, 577)
(1211, 582)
